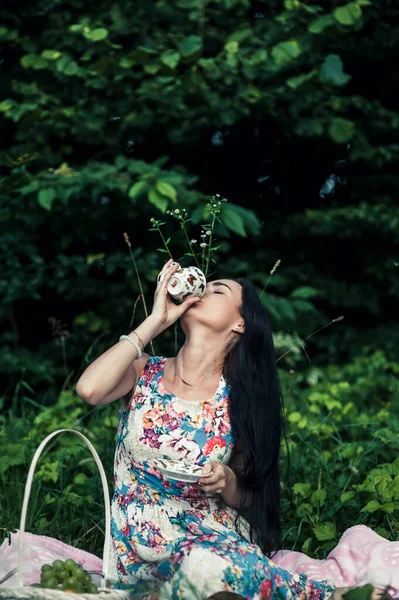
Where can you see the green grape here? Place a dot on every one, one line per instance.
(51, 583)
(70, 564)
(69, 583)
(46, 568)
(80, 574)
(86, 579)
(63, 574)
(79, 588)
(58, 564)
(48, 574)
(93, 589)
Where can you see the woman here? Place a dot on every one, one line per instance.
(216, 404)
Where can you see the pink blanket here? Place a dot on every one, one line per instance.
(361, 556)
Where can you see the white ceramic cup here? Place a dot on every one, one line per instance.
(188, 281)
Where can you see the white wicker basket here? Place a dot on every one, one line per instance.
(21, 592)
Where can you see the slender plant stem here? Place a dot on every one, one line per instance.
(265, 286)
(309, 336)
(203, 259)
(134, 311)
(210, 246)
(140, 285)
(189, 243)
(64, 356)
(164, 241)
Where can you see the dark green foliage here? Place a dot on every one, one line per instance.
(114, 113)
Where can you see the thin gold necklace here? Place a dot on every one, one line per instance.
(196, 382)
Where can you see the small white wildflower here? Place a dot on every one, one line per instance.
(177, 211)
(193, 241)
(208, 232)
(203, 245)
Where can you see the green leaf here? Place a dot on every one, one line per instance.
(251, 222)
(325, 531)
(190, 45)
(302, 489)
(137, 189)
(304, 292)
(341, 130)
(295, 82)
(170, 58)
(304, 509)
(96, 35)
(371, 506)
(76, 27)
(51, 54)
(291, 4)
(239, 36)
(285, 52)
(332, 71)
(157, 200)
(309, 127)
(388, 507)
(232, 47)
(348, 14)
(91, 258)
(303, 306)
(320, 24)
(46, 198)
(7, 105)
(233, 220)
(80, 478)
(34, 61)
(71, 68)
(318, 497)
(167, 190)
(345, 496)
(360, 593)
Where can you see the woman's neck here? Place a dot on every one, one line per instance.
(195, 361)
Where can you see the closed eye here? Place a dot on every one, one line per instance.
(219, 293)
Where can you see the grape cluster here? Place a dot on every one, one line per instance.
(67, 575)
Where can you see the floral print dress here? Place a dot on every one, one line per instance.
(170, 539)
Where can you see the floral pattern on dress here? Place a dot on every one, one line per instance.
(170, 539)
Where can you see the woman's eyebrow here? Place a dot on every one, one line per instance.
(218, 283)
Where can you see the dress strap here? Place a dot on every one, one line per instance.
(153, 366)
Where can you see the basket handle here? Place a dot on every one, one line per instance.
(28, 487)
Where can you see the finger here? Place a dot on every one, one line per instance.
(218, 478)
(211, 489)
(165, 266)
(167, 274)
(166, 270)
(208, 467)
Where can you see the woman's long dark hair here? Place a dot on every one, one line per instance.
(256, 416)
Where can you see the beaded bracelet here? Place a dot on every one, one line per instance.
(136, 346)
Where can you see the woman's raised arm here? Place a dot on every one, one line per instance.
(113, 374)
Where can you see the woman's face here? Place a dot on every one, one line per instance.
(218, 308)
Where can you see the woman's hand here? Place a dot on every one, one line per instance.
(220, 478)
(164, 311)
